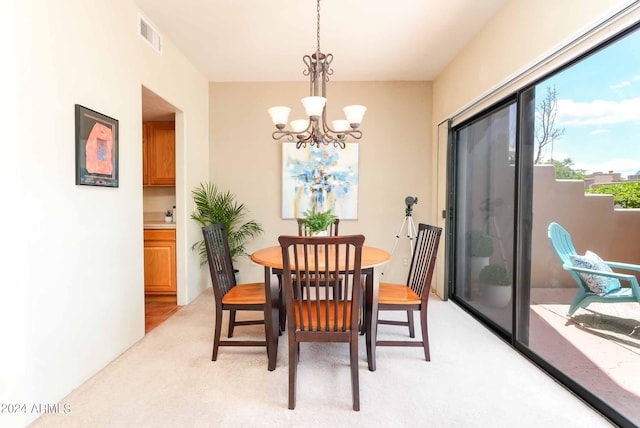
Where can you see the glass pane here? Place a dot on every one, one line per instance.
(485, 166)
(586, 140)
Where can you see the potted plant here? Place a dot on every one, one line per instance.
(215, 206)
(318, 222)
(480, 247)
(168, 216)
(495, 285)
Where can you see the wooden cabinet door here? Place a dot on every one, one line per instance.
(159, 262)
(161, 153)
(145, 161)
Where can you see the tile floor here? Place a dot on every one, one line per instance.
(155, 313)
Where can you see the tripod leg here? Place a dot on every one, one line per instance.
(398, 235)
(411, 233)
(395, 244)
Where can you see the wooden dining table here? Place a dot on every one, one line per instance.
(271, 258)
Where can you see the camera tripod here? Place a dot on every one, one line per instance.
(408, 222)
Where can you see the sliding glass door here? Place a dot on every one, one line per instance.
(564, 150)
(484, 207)
(586, 160)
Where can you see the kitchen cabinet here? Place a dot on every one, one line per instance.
(159, 154)
(160, 264)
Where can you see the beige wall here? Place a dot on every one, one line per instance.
(611, 233)
(395, 157)
(523, 32)
(75, 253)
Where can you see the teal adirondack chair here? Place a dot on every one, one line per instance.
(561, 242)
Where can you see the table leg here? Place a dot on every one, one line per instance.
(371, 314)
(271, 318)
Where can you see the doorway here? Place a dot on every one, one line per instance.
(159, 200)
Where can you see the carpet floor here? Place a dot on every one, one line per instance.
(474, 379)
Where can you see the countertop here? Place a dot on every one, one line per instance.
(152, 225)
(154, 220)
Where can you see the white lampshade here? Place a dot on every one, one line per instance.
(354, 113)
(340, 125)
(314, 105)
(299, 125)
(279, 115)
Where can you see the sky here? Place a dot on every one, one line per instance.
(599, 107)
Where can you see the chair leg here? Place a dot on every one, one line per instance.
(355, 383)
(232, 322)
(412, 331)
(293, 368)
(217, 328)
(425, 332)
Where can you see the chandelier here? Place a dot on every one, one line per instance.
(315, 130)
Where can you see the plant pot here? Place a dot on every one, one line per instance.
(497, 296)
(168, 219)
(477, 263)
(320, 233)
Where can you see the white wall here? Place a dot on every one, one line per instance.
(76, 252)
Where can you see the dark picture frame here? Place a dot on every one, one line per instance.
(96, 148)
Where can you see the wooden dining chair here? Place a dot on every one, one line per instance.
(333, 231)
(228, 295)
(414, 295)
(315, 316)
(304, 231)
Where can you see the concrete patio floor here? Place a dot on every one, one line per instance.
(602, 357)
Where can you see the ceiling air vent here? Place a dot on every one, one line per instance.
(150, 34)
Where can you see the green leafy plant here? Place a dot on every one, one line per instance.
(168, 213)
(626, 195)
(479, 243)
(215, 206)
(495, 274)
(318, 221)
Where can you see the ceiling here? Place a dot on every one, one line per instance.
(371, 40)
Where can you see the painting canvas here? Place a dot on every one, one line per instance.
(323, 178)
(96, 148)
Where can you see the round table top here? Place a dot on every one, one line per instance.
(272, 257)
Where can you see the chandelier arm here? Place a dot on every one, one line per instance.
(277, 135)
(339, 143)
(328, 71)
(307, 61)
(355, 134)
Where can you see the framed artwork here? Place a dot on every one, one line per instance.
(96, 148)
(323, 178)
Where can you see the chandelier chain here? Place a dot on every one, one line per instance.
(318, 26)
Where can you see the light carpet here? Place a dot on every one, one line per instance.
(474, 380)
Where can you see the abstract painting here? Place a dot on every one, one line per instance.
(323, 178)
(96, 148)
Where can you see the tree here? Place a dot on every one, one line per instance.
(564, 170)
(546, 131)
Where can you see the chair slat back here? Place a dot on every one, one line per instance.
(424, 259)
(303, 230)
(219, 259)
(311, 307)
(561, 242)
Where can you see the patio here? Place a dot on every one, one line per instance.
(599, 346)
